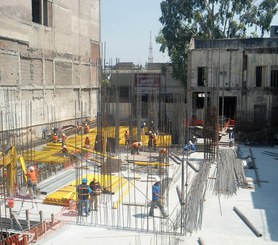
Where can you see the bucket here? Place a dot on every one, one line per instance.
(10, 202)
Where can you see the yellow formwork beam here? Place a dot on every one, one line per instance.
(63, 195)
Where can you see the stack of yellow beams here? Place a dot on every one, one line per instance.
(110, 183)
(44, 157)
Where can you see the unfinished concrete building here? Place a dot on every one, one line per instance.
(49, 63)
(237, 76)
(148, 94)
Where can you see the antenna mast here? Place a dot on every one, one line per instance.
(150, 58)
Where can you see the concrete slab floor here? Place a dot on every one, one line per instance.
(221, 224)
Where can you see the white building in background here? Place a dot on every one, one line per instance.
(49, 61)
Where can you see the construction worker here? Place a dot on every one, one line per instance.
(231, 137)
(154, 141)
(78, 128)
(65, 150)
(143, 127)
(87, 142)
(96, 191)
(126, 138)
(64, 139)
(87, 128)
(135, 147)
(156, 198)
(83, 191)
(162, 154)
(150, 140)
(190, 147)
(32, 182)
(55, 138)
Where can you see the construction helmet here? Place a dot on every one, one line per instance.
(31, 169)
(157, 179)
(84, 181)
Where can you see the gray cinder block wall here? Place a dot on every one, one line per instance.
(49, 61)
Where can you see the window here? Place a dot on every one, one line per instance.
(202, 74)
(42, 12)
(124, 92)
(274, 77)
(259, 76)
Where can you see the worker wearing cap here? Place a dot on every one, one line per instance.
(83, 192)
(32, 181)
(96, 191)
(156, 198)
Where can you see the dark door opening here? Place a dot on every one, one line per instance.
(228, 109)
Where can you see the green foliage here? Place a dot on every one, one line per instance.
(106, 83)
(208, 19)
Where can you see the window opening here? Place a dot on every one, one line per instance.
(259, 76)
(274, 78)
(42, 12)
(201, 76)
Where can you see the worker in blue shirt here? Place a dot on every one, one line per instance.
(190, 147)
(83, 192)
(156, 198)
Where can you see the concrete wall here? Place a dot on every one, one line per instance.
(46, 70)
(231, 72)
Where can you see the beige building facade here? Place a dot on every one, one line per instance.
(49, 61)
(237, 76)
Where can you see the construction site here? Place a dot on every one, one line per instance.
(62, 158)
(68, 119)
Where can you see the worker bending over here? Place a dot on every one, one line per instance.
(135, 147)
(190, 148)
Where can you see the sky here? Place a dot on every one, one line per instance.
(126, 27)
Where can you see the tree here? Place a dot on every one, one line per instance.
(208, 19)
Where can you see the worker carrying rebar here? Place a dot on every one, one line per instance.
(135, 147)
(32, 182)
(94, 196)
(83, 192)
(190, 147)
(156, 198)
